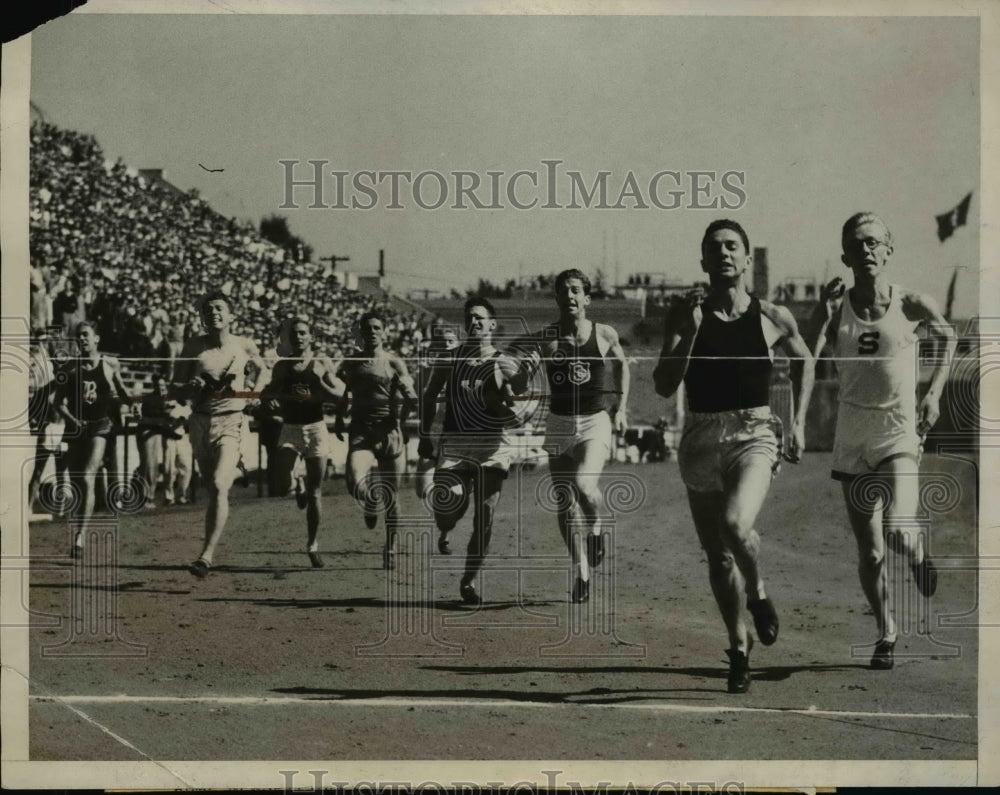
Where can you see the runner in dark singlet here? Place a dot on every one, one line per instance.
(381, 396)
(298, 388)
(87, 401)
(576, 352)
(720, 346)
(476, 447)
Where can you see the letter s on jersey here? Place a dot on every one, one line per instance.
(868, 342)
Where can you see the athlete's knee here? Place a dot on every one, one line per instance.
(870, 560)
(219, 483)
(590, 497)
(738, 524)
(721, 562)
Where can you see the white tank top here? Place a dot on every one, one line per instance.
(877, 359)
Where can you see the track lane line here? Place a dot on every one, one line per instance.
(491, 703)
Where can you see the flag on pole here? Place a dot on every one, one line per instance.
(951, 296)
(948, 222)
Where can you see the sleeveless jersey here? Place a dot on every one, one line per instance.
(224, 369)
(372, 383)
(741, 378)
(91, 386)
(302, 393)
(576, 377)
(877, 359)
(475, 403)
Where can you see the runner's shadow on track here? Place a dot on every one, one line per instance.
(766, 674)
(380, 602)
(125, 587)
(600, 695)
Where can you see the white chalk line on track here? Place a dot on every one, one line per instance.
(101, 727)
(257, 701)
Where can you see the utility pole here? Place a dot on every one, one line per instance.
(333, 259)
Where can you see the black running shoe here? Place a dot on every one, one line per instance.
(926, 577)
(739, 669)
(469, 594)
(76, 553)
(200, 568)
(444, 547)
(882, 658)
(765, 620)
(315, 559)
(595, 550)
(581, 591)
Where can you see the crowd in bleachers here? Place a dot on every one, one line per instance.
(134, 254)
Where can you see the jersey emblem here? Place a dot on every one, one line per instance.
(90, 392)
(868, 342)
(579, 372)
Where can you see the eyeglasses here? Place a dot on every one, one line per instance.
(869, 244)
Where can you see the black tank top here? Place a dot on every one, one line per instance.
(740, 380)
(302, 401)
(372, 383)
(93, 390)
(475, 402)
(576, 377)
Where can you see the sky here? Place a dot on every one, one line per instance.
(823, 116)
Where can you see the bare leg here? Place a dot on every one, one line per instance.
(723, 574)
(392, 472)
(284, 464)
(218, 484)
(865, 517)
(568, 513)
(357, 475)
(488, 486)
(314, 477)
(91, 456)
(746, 489)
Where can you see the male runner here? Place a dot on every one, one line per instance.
(475, 448)
(381, 395)
(214, 367)
(721, 346)
(576, 352)
(88, 400)
(880, 427)
(298, 388)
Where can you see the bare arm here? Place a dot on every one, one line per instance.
(61, 399)
(529, 358)
(680, 327)
(271, 394)
(119, 385)
(822, 327)
(256, 370)
(186, 383)
(621, 378)
(917, 306)
(333, 387)
(802, 371)
(404, 385)
(338, 423)
(428, 401)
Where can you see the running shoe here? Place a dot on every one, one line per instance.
(469, 594)
(925, 575)
(765, 620)
(882, 659)
(739, 669)
(595, 550)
